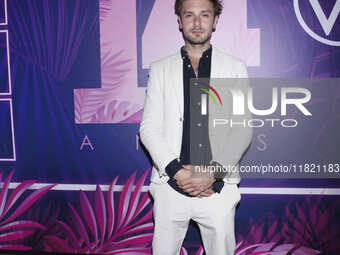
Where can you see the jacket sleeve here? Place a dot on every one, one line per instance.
(151, 130)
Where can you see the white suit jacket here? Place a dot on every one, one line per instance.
(162, 121)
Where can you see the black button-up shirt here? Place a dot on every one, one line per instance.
(195, 125)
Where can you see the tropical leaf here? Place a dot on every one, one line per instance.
(100, 208)
(28, 202)
(21, 224)
(108, 227)
(113, 66)
(311, 223)
(105, 7)
(200, 251)
(118, 112)
(12, 230)
(265, 230)
(15, 247)
(45, 216)
(183, 251)
(50, 40)
(56, 243)
(100, 105)
(87, 103)
(264, 249)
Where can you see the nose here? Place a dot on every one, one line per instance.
(197, 21)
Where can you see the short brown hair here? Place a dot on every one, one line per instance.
(216, 3)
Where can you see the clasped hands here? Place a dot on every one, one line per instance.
(196, 186)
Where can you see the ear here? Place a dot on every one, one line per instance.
(215, 22)
(180, 23)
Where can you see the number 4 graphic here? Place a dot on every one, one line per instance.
(124, 69)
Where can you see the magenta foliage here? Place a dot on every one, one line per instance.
(108, 226)
(12, 229)
(265, 230)
(271, 248)
(47, 217)
(313, 224)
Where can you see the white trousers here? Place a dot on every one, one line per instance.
(214, 215)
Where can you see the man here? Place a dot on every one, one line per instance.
(179, 195)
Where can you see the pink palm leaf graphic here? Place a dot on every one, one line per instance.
(99, 105)
(264, 231)
(264, 236)
(105, 7)
(263, 249)
(12, 229)
(314, 224)
(108, 227)
(46, 216)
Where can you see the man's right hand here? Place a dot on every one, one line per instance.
(185, 173)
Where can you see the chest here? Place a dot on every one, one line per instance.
(195, 62)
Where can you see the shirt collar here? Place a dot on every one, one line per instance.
(206, 53)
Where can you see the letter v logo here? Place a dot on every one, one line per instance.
(327, 24)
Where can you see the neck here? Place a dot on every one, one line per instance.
(196, 50)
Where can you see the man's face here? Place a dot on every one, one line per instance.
(197, 21)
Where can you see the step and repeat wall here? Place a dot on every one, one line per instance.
(73, 77)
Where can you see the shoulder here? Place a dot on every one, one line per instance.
(222, 56)
(237, 65)
(165, 61)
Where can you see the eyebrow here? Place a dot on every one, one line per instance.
(204, 11)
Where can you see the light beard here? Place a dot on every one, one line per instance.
(196, 40)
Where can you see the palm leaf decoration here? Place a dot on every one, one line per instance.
(100, 105)
(271, 248)
(264, 230)
(122, 226)
(50, 40)
(105, 7)
(12, 206)
(312, 222)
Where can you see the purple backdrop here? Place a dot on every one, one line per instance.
(72, 84)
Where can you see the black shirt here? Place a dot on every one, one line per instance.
(193, 121)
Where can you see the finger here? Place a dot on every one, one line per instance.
(188, 167)
(189, 190)
(208, 191)
(188, 186)
(195, 192)
(193, 184)
(204, 195)
(183, 182)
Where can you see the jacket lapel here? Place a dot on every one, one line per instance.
(214, 63)
(178, 81)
